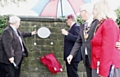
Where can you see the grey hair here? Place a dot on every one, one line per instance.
(13, 19)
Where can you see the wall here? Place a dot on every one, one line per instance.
(31, 66)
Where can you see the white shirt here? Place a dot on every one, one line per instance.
(89, 21)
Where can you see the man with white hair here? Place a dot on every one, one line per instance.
(84, 38)
(13, 49)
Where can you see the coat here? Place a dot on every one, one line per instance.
(69, 41)
(81, 43)
(51, 62)
(104, 47)
(10, 45)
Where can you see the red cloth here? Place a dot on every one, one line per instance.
(51, 63)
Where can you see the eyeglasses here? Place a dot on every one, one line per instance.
(82, 10)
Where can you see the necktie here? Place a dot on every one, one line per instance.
(86, 31)
(20, 41)
(86, 25)
(86, 36)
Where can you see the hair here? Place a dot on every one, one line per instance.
(72, 17)
(103, 10)
(13, 19)
(87, 7)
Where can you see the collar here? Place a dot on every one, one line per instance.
(89, 21)
(13, 28)
(72, 24)
(101, 21)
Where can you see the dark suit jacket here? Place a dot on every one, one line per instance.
(80, 42)
(69, 41)
(10, 45)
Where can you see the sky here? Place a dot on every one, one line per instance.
(113, 3)
(25, 7)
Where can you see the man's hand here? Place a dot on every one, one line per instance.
(118, 45)
(64, 32)
(11, 59)
(69, 59)
(64, 62)
(101, 76)
(34, 32)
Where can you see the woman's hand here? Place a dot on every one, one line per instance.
(101, 76)
(118, 45)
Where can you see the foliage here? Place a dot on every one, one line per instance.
(118, 15)
(7, 2)
(3, 23)
(79, 20)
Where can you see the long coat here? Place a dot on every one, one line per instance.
(80, 42)
(11, 46)
(103, 47)
(69, 41)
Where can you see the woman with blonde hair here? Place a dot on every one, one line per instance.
(105, 56)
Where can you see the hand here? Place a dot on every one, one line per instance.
(64, 62)
(69, 59)
(11, 59)
(118, 45)
(101, 76)
(34, 32)
(64, 32)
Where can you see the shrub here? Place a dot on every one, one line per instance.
(118, 15)
(3, 23)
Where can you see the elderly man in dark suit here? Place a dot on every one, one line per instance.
(84, 38)
(69, 40)
(13, 48)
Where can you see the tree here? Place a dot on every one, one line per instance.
(118, 15)
(3, 23)
(6, 2)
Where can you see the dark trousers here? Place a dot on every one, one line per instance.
(87, 66)
(8, 70)
(2, 71)
(72, 69)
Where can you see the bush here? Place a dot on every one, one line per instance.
(118, 15)
(79, 20)
(3, 23)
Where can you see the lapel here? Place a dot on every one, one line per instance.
(20, 34)
(82, 31)
(13, 34)
(91, 31)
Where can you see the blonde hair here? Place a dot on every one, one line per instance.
(103, 10)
